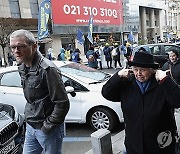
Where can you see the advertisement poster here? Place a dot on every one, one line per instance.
(78, 12)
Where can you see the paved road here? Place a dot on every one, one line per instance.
(78, 140)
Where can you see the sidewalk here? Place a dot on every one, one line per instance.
(117, 143)
(118, 139)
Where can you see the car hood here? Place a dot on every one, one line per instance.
(84, 79)
(96, 87)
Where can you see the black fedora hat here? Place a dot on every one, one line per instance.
(143, 59)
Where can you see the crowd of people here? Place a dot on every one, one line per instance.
(113, 55)
(148, 95)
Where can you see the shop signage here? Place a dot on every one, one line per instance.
(77, 12)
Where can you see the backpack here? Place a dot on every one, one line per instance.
(114, 53)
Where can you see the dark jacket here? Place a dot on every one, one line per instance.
(175, 69)
(145, 115)
(107, 53)
(47, 101)
(75, 57)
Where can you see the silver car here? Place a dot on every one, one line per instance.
(11, 130)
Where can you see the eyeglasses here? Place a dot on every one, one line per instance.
(19, 47)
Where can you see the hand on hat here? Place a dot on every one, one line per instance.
(161, 74)
(125, 73)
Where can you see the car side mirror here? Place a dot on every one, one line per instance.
(70, 90)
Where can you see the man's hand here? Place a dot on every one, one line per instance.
(161, 74)
(125, 73)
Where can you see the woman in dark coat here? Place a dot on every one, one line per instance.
(173, 65)
(147, 98)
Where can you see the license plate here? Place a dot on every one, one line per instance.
(7, 148)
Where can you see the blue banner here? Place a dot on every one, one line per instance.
(43, 17)
(80, 37)
(90, 37)
(131, 36)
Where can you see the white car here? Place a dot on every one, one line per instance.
(87, 105)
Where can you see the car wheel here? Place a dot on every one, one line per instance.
(102, 118)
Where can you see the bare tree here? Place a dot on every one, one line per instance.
(6, 27)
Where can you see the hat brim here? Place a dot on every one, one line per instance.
(153, 65)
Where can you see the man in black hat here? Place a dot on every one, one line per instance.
(147, 97)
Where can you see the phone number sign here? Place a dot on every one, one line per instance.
(77, 12)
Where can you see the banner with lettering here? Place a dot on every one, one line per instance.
(43, 17)
(77, 12)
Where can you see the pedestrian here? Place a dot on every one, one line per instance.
(47, 101)
(61, 55)
(92, 58)
(173, 65)
(124, 53)
(10, 59)
(50, 54)
(75, 56)
(116, 56)
(68, 52)
(147, 97)
(107, 52)
(98, 52)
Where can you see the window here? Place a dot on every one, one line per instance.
(14, 8)
(69, 82)
(34, 8)
(147, 22)
(155, 23)
(155, 50)
(11, 79)
(170, 48)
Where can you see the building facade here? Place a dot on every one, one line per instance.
(146, 20)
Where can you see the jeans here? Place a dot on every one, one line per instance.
(36, 141)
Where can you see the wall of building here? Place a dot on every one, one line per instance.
(135, 21)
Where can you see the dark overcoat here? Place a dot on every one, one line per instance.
(149, 120)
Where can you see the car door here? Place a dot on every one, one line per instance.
(11, 91)
(74, 114)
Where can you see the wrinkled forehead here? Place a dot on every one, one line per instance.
(18, 39)
(144, 68)
(136, 69)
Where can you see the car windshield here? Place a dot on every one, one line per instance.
(84, 71)
(142, 46)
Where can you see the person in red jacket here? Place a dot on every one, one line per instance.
(148, 97)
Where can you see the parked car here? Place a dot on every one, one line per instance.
(177, 43)
(87, 105)
(11, 130)
(159, 51)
